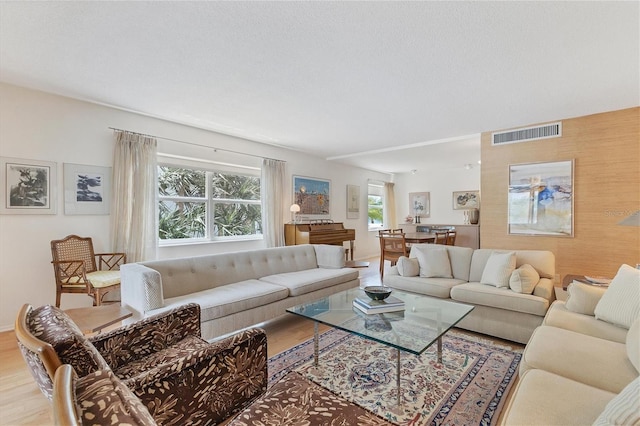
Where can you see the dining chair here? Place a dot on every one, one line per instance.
(78, 269)
(451, 238)
(392, 247)
(441, 237)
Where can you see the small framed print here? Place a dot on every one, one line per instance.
(313, 195)
(28, 186)
(463, 200)
(87, 189)
(353, 201)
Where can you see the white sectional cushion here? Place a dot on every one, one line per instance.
(633, 344)
(498, 269)
(502, 298)
(559, 316)
(583, 298)
(435, 287)
(524, 279)
(624, 408)
(408, 267)
(302, 282)
(434, 263)
(620, 304)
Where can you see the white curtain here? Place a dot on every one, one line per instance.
(272, 194)
(134, 220)
(389, 208)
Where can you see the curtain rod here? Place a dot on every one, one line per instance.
(197, 144)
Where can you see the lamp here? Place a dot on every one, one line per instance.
(294, 209)
(631, 220)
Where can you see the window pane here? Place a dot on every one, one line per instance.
(237, 219)
(375, 210)
(179, 182)
(181, 220)
(235, 187)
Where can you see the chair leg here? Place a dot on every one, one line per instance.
(58, 297)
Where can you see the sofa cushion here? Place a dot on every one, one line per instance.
(52, 325)
(543, 261)
(583, 298)
(498, 269)
(434, 263)
(408, 267)
(309, 280)
(620, 304)
(524, 279)
(559, 316)
(543, 398)
(585, 359)
(503, 298)
(231, 298)
(459, 258)
(436, 287)
(624, 408)
(633, 344)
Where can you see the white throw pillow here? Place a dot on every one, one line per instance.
(620, 304)
(408, 267)
(434, 263)
(498, 269)
(583, 298)
(623, 409)
(524, 279)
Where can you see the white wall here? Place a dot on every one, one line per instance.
(40, 126)
(440, 184)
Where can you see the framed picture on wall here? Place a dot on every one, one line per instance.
(420, 205)
(541, 199)
(87, 189)
(353, 201)
(463, 200)
(313, 195)
(28, 186)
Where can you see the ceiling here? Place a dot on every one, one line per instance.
(388, 86)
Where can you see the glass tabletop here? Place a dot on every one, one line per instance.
(423, 320)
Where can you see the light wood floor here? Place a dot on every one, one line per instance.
(22, 403)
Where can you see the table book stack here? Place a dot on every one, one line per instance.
(369, 306)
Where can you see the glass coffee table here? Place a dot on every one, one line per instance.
(422, 323)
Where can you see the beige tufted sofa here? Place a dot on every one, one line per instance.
(236, 290)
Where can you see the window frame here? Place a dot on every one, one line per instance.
(378, 192)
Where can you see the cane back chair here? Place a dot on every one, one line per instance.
(78, 269)
(392, 246)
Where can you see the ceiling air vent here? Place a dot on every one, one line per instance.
(553, 130)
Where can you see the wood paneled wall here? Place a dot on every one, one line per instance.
(606, 150)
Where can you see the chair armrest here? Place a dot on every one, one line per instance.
(135, 341)
(210, 383)
(110, 261)
(141, 288)
(70, 272)
(329, 257)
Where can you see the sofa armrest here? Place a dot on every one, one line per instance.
(329, 257)
(545, 289)
(135, 341)
(210, 383)
(140, 287)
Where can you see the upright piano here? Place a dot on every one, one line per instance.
(319, 233)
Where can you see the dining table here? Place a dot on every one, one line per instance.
(419, 237)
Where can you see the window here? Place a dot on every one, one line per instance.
(202, 205)
(375, 201)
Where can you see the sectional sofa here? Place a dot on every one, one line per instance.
(236, 290)
(581, 365)
(510, 289)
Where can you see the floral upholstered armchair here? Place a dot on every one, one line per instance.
(179, 377)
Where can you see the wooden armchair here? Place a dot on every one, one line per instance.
(78, 269)
(451, 238)
(392, 246)
(441, 237)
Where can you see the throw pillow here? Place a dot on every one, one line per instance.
(408, 267)
(620, 304)
(434, 263)
(498, 269)
(624, 408)
(524, 279)
(583, 298)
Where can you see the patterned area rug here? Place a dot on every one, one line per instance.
(466, 389)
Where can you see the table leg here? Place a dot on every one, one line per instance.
(351, 249)
(316, 351)
(397, 409)
(440, 349)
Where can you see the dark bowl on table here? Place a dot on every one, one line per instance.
(377, 292)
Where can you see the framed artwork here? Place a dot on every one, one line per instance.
(353, 201)
(541, 199)
(313, 195)
(28, 186)
(419, 204)
(466, 200)
(87, 189)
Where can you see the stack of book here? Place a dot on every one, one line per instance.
(369, 306)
